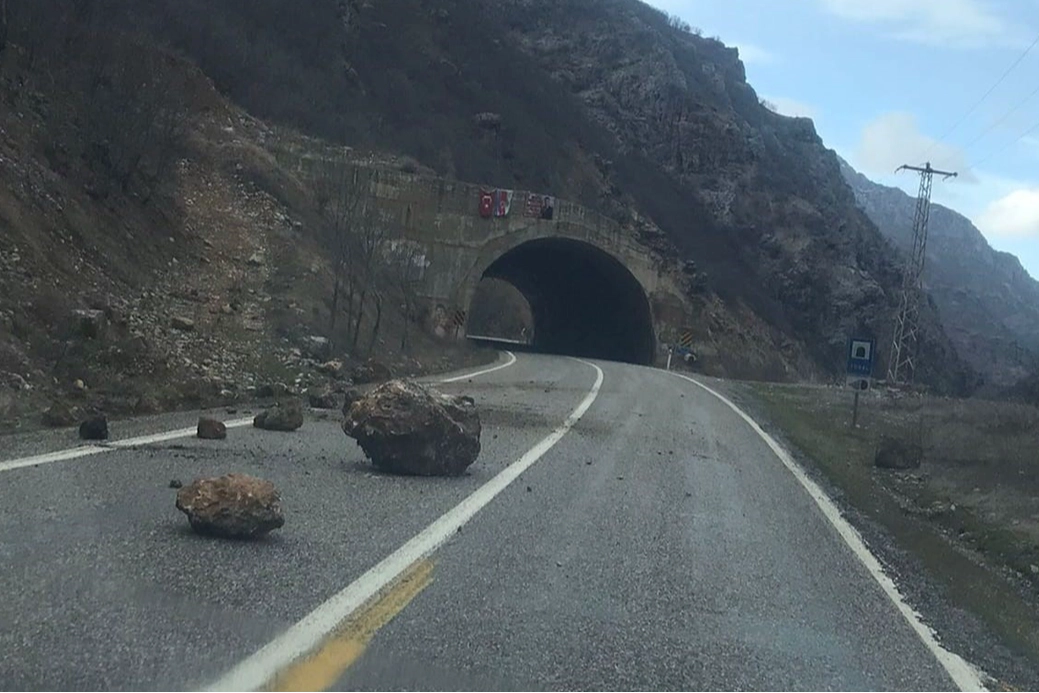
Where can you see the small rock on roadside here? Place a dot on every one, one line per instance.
(94, 428)
(211, 429)
(60, 415)
(322, 398)
(175, 483)
(286, 415)
(371, 371)
(233, 506)
(351, 395)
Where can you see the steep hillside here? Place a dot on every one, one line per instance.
(987, 301)
(154, 254)
(601, 101)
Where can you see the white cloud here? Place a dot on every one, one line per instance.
(894, 139)
(752, 54)
(791, 107)
(1013, 215)
(944, 23)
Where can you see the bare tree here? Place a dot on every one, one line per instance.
(405, 265)
(370, 239)
(342, 190)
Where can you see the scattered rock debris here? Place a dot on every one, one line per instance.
(322, 398)
(286, 415)
(211, 429)
(94, 428)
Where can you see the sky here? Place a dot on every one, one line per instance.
(892, 82)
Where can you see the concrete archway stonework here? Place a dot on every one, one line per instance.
(455, 244)
(585, 301)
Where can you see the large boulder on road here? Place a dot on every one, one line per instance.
(234, 506)
(286, 415)
(407, 428)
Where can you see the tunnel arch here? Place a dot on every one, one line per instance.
(584, 301)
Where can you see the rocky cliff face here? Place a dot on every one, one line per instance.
(598, 101)
(753, 197)
(988, 303)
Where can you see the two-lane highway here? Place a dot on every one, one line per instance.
(623, 528)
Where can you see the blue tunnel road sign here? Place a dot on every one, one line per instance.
(861, 355)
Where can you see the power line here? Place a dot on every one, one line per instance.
(1003, 117)
(984, 96)
(1008, 145)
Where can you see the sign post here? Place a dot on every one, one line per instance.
(861, 356)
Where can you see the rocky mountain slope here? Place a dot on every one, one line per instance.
(601, 101)
(987, 301)
(164, 260)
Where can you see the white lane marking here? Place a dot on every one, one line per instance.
(86, 450)
(966, 676)
(500, 366)
(308, 634)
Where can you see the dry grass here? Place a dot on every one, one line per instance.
(969, 514)
(979, 455)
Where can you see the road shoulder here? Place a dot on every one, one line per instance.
(977, 611)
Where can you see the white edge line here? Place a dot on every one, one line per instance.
(965, 675)
(307, 635)
(500, 366)
(85, 450)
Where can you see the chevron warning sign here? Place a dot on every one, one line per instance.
(685, 339)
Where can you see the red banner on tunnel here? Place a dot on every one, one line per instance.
(486, 204)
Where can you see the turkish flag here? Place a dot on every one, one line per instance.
(486, 204)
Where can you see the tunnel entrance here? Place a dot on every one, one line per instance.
(582, 300)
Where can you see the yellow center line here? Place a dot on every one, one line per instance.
(319, 670)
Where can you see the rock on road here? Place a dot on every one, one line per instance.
(658, 544)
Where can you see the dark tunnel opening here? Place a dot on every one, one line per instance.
(583, 301)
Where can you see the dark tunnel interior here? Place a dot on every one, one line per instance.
(584, 302)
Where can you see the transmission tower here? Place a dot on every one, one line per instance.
(902, 364)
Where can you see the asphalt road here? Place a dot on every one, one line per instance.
(656, 543)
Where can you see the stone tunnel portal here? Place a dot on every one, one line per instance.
(584, 302)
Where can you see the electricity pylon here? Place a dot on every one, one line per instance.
(902, 364)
